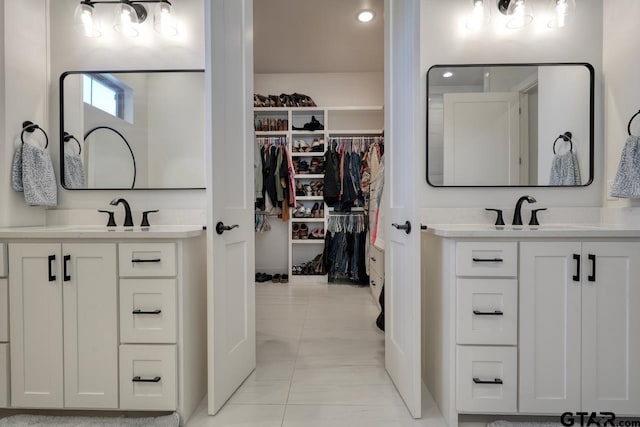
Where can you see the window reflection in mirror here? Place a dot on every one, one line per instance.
(140, 128)
(500, 125)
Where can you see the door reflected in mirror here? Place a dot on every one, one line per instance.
(132, 129)
(510, 125)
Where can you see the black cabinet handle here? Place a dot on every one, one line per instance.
(66, 276)
(576, 277)
(488, 313)
(496, 381)
(52, 277)
(488, 260)
(592, 277)
(142, 261)
(146, 312)
(137, 379)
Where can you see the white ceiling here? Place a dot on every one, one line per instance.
(317, 36)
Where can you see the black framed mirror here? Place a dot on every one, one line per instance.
(134, 130)
(510, 125)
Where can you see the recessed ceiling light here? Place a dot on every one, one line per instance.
(366, 15)
(447, 74)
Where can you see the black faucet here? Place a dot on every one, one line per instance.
(128, 220)
(517, 215)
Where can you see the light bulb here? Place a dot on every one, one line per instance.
(126, 20)
(561, 13)
(366, 16)
(476, 20)
(521, 16)
(85, 20)
(164, 20)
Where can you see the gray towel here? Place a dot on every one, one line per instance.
(16, 170)
(38, 178)
(627, 182)
(73, 171)
(565, 169)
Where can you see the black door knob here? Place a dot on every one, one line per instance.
(406, 227)
(221, 228)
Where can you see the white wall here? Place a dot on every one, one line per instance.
(71, 51)
(328, 89)
(445, 40)
(24, 81)
(622, 91)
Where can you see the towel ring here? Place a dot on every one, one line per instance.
(565, 137)
(631, 120)
(66, 137)
(30, 127)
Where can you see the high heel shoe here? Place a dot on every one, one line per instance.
(315, 210)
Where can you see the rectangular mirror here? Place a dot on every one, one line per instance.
(136, 130)
(505, 125)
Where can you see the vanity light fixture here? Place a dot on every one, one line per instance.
(560, 13)
(366, 15)
(519, 13)
(129, 14)
(479, 16)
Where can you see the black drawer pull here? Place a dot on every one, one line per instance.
(146, 260)
(488, 313)
(146, 312)
(592, 276)
(488, 260)
(65, 275)
(576, 277)
(497, 381)
(146, 380)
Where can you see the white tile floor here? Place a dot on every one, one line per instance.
(320, 362)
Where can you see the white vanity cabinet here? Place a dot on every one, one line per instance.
(4, 328)
(580, 302)
(64, 327)
(531, 322)
(104, 320)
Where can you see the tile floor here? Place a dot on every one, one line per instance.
(320, 362)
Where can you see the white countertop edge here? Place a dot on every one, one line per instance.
(96, 232)
(552, 231)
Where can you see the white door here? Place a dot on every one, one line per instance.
(610, 320)
(35, 297)
(550, 317)
(231, 260)
(402, 249)
(482, 138)
(90, 325)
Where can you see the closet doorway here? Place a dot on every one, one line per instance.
(317, 346)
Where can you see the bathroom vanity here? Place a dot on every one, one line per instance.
(103, 319)
(535, 321)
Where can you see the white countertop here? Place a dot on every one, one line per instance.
(102, 232)
(548, 231)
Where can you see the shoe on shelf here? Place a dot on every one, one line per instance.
(304, 232)
(276, 278)
(315, 210)
(295, 232)
(284, 278)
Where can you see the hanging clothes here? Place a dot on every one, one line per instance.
(332, 186)
(345, 243)
(277, 191)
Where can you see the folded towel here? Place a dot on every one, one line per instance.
(627, 182)
(73, 171)
(565, 169)
(38, 178)
(16, 170)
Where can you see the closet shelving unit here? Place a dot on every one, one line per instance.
(338, 122)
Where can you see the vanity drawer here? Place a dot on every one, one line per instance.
(487, 259)
(3, 260)
(376, 257)
(486, 379)
(147, 259)
(487, 311)
(148, 311)
(4, 375)
(4, 310)
(148, 377)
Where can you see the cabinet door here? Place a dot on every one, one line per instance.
(549, 331)
(610, 322)
(90, 325)
(35, 296)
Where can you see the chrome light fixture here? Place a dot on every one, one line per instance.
(560, 13)
(519, 14)
(129, 14)
(479, 17)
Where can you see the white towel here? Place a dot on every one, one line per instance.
(38, 178)
(565, 170)
(16, 170)
(73, 172)
(627, 182)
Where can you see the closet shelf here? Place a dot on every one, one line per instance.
(309, 176)
(307, 241)
(307, 132)
(356, 132)
(307, 219)
(308, 154)
(309, 198)
(271, 133)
